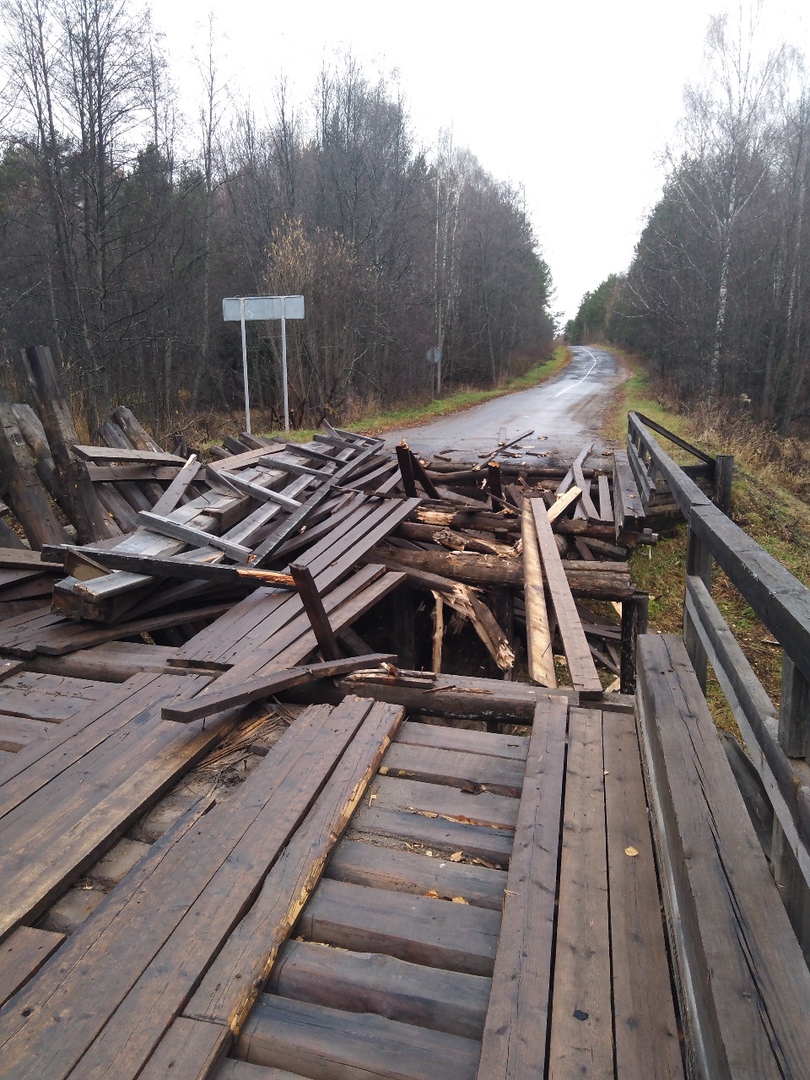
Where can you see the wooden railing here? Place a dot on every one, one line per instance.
(778, 740)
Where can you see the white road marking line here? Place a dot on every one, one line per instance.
(565, 389)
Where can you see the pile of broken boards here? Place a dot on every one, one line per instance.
(162, 657)
(251, 564)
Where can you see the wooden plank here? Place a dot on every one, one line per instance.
(786, 781)
(257, 491)
(581, 1037)
(49, 841)
(514, 1040)
(140, 457)
(628, 508)
(29, 999)
(748, 987)
(436, 835)
(515, 747)
(605, 503)
(22, 954)
(448, 803)
(211, 875)
(17, 732)
(379, 867)
(232, 1069)
(219, 698)
(471, 771)
(188, 534)
(419, 929)
(313, 606)
(191, 1049)
(365, 982)
(538, 633)
(318, 1042)
(177, 488)
(231, 985)
(580, 663)
(646, 1031)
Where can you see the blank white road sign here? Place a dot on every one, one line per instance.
(262, 307)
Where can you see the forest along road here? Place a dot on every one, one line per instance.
(563, 414)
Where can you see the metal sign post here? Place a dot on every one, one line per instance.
(251, 308)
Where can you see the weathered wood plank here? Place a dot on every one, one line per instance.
(748, 985)
(22, 954)
(435, 834)
(232, 983)
(365, 982)
(514, 1041)
(109, 1013)
(448, 803)
(388, 868)
(318, 1042)
(538, 633)
(420, 929)
(581, 1038)
(580, 662)
(471, 771)
(515, 747)
(647, 1044)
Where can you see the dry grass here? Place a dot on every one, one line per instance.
(771, 483)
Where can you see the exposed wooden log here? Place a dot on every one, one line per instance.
(21, 485)
(135, 433)
(88, 515)
(599, 582)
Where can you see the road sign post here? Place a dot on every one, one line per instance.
(266, 308)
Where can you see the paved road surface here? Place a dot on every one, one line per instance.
(562, 414)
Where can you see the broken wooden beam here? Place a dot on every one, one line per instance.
(218, 699)
(580, 662)
(538, 632)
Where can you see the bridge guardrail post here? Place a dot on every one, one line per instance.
(698, 564)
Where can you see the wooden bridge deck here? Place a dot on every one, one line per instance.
(491, 909)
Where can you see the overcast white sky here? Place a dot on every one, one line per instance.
(572, 100)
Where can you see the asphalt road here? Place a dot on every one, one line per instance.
(562, 414)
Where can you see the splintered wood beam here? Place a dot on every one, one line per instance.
(564, 502)
(423, 478)
(313, 606)
(405, 460)
(178, 567)
(538, 634)
(177, 488)
(137, 435)
(578, 654)
(219, 699)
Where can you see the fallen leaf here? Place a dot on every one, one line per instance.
(432, 894)
(631, 851)
(459, 900)
(457, 856)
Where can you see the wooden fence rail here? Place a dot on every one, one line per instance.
(778, 741)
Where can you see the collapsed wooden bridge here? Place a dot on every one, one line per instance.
(240, 841)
